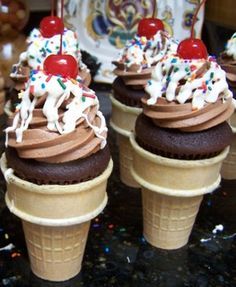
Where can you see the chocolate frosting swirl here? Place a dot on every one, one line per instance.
(190, 95)
(58, 121)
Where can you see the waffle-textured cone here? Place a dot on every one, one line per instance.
(56, 253)
(168, 220)
(228, 170)
(172, 191)
(56, 220)
(123, 122)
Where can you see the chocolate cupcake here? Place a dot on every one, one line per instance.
(172, 143)
(50, 142)
(126, 94)
(227, 61)
(133, 70)
(180, 141)
(56, 166)
(186, 111)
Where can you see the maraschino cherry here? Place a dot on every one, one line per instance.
(51, 26)
(63, 65)
(193, 48)
(148, 27)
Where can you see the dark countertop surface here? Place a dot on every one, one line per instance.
(117, 254)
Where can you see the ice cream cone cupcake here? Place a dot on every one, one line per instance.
(133, 70)
(227, 61)
(180, 141)
(56, 166)
(56, 229)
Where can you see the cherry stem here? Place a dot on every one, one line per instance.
(52, 7)
(154, 9)
(62, 6)
(195, 17)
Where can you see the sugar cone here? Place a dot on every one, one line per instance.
(55, 253)
(172, 191)
(228, 170)
(56, 220)
(168, 220)
(123, 121)
(125, 160)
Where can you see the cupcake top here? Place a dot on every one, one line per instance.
(190, 95)
(227, 60)
(40, 47)
(141, 54)
(58, 120)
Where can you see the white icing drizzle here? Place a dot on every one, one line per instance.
(231, 46)
(168, 73)
(39, 48)
(144, 52)
(57, 89)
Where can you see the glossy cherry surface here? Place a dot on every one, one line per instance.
(63, 65)
(50, 26)
(192, 48)
(148, 27)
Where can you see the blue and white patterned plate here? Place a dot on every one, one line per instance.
(104, 26)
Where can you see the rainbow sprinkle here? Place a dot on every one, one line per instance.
(61, 84)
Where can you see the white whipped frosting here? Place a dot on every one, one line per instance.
(57, 89)
(168, 73)
(144, 52)
(231, 47)
(39, 48)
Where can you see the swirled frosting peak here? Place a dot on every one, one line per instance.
(39, 48)
(57, 120)
(141, 54)
(188, 94)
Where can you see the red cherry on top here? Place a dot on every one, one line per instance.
(63, 65)
(192, 49)
(51, 26)
(148, 27)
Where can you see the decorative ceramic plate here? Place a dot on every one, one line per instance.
(104, 26)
